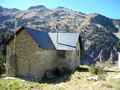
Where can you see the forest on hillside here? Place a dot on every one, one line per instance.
(3, 39)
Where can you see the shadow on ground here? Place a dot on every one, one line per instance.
(82, 69)
(62, 78)
(58, 78)
(112, 71)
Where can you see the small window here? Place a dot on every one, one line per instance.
(61, 53)
(78, 52)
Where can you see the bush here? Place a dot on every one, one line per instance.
(96, 70)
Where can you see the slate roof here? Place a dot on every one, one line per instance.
(47, 41)
(66, 41)
(41, 38)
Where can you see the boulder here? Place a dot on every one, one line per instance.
(116, 77)
(96, 78)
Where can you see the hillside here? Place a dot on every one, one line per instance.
(100, 34)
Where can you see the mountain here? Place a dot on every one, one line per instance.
(38, 7)
(100, 34)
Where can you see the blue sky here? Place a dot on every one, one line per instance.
(108, 8)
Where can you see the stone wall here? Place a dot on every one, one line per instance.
(12, 66)
(75, 57)
(32, 60)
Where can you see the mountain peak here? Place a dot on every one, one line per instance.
(60, 7)
(37, 7)
(6, 9)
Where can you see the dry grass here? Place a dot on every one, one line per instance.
(76, 81)
(109, 64)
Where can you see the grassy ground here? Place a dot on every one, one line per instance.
(109, 64)
(75, 81)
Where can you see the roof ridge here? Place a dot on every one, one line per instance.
(47, 41)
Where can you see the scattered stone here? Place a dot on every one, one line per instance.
(99, 84)
(98, 64)
(60, 85)
(96, 78)
(13, 78)
(106, 67)
(116, 77)
(22, 80)
(9, 78)
(114, 67)
(89, 78)
(49, 74)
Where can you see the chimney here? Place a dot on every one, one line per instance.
(57, 35)
(15, 36)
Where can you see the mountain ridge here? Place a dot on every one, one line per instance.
(98, 32)
(37, 7)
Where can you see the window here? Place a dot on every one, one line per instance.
(61, 53)
(78, 52)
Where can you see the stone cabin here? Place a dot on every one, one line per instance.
(37, 51)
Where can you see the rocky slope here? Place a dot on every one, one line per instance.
(100, 34)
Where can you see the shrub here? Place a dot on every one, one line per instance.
(96, 70)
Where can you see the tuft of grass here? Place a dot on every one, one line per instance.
(96, 70)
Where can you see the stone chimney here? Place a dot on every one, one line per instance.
(11, 69)
(57, 35)
(15, 36)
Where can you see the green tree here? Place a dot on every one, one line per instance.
(2, 60)
(3, 39)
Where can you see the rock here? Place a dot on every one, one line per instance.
(116, 77)
(115, 67)
(88, 46)
(22, 80)
(14, 78)
(96, 78)
(106, 67)
(95, 54)
(60, 85)
(9, 78)
(98, 64)
(90, 78)
(104, 55)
